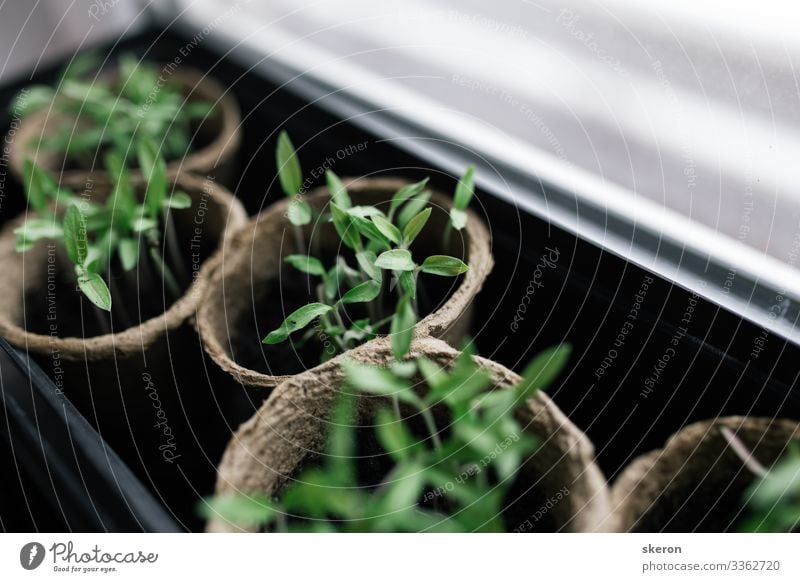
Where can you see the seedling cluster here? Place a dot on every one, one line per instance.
(94, 233)
(114, 112)
(453, 479)
(380, 245)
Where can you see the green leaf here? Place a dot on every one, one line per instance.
(458, 218)
(128, 253)
(178, 201)
(362, 293)
(243, 510)
(306, 263)
(364, 211)
(75, 240)
(368, 229)
(338, 190)
(388, 230)
(296, 321)
(404, 193)
(377, 381)
(343, 223)
(291, 177)
(154, 171)
(36, 229)
(402, 328)
(39, 185)
(142, 224)
(366, 260)
(95, 289)
(412, 208)
(444, 266)
(35, 97)
(465, 189)
(544, 368)
(405, 369)
(415, 225)
(395, 260)
(299, 212)
(408, 283)
(394, 436)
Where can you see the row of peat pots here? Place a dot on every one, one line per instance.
(327, 325)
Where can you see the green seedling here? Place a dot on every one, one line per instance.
(380, 244)
(447, 479)
(114, 113)
(121, 228)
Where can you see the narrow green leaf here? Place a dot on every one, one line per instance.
(306, 263)
(154, 171)
(377, 381)
(178, 201)
(299, 212)
(289, 173)
(95, 289)
(395, 260)
(371, 232)
(544, 368)
(296, 321)
(413, 207)
(128, 250)
(404, 193)
(444, 266)
(75, 240)
(366, 260)
(402, 328)
(343, 223)
(388, 230)
(33, 189)
(415, 225)
(465, 189)
(394, 436)
(143, 224)
(338, 190)
(408, 283)
(364, 211)
(458, 218)
(362, 293)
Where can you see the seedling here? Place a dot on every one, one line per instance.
(774, 496)
(98, 237)
(115, 114)
(380, 242)
(444, 480)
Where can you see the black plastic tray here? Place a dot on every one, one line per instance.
(585, 299)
